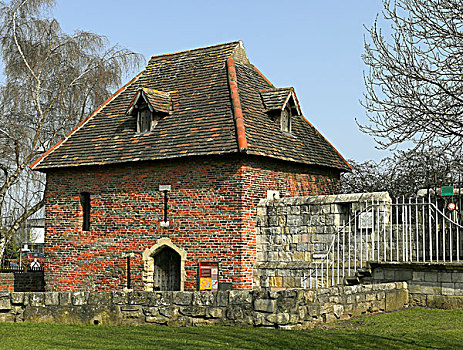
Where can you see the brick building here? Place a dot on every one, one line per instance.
(169, 171)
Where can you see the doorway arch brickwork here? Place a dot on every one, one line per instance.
(148, 261)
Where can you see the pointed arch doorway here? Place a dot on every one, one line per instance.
(166, 274)
(164, 266)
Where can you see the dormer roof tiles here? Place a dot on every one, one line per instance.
(274, 99)
(194, 87)
(158, 101)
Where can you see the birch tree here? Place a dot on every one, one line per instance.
(51, 81)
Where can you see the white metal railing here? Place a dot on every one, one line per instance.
(413, 230)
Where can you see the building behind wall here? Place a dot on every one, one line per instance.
(34, 237)
(168, 172)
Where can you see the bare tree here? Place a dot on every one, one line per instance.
(52, 81)
(405, 172)
(414, 81)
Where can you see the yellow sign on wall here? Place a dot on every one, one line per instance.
(209, 276)
(206, 283)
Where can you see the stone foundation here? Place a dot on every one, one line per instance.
(284, 309)
(435, 285)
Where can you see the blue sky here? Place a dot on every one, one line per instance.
(313, 45)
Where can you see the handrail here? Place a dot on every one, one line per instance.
(325, 260)
(399, 231)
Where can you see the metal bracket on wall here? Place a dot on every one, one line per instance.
(165, 189)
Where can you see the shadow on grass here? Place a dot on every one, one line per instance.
(409, 329)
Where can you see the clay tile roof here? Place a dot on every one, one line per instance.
(215, 102)
(274, 98)
(158, 100)
(264, 137)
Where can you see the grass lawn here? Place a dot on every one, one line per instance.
(408, 329)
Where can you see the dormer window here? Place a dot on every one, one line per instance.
(285, 119)
(144, 118)
(281, 106)
(149, 107)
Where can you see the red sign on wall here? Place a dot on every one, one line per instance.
(208, 275)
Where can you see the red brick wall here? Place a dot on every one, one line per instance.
(6, 282)
(212, 214)
(261, 174)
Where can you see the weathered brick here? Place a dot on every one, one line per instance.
(212, 214)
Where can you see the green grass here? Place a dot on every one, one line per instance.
(408, 329)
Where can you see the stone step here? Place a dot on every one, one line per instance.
(351, 280)
(367, 280)
(363, 272)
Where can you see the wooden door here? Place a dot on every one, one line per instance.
(167, 270)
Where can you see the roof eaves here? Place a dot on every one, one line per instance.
(295, 160)
(138, 159)
(348, 166)
(36, 163)
(133, 102)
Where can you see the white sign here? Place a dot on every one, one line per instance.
(366, 220)
(164, 187)
(273, 194)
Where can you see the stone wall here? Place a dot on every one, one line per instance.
(294, 232)
(435, 285)
(283, 309)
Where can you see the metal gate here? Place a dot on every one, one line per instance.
(421, 229)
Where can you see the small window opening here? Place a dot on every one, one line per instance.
(85, 203)
(144, 116)
(285, 119)
(144, 119)
(147, 119)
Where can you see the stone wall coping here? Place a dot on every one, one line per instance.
(124, 297)
(418, 266)
(67, 298)
(327, 199)
(283, 265)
